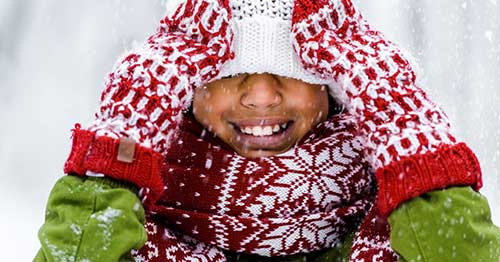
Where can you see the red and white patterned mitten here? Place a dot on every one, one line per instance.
(144, 96)
(408, 137)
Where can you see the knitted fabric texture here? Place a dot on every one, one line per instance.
(262, 41)
(399, 122)
(404, 137)
(149, 87)
(307, 199)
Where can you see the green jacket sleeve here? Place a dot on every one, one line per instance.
(445, 225)
(91, 219)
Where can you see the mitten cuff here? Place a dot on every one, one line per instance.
(450, 165)
(100, 154)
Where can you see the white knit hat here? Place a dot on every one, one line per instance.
(262, 41)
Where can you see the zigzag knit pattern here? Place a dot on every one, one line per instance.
(396, 116)
(407, 135)
(397, 119)
(289, 209)
(144, 95)
(166, 245)
(146, 92)
(307, 199)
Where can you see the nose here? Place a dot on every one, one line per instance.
(261, 92)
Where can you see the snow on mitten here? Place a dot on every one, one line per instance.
(407, 136)
(144, 96)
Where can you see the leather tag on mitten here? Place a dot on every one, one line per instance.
(126, 150)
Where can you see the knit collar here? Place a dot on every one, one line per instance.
(306, 199)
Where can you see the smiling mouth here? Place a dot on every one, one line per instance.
(263, 130)
(265, 135)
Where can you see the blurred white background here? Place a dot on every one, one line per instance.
(54, 55)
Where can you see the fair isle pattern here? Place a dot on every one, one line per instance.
(229, 183)
(299, 191)
(146, 92)
(165, 245)
(372, 241)
(288, 236)
(221, 231)
(304, 200)
(396, 116)
(312, 177)
(407, 137)
(403, 130)
(307, 199)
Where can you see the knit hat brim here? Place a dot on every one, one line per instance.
(264, 45)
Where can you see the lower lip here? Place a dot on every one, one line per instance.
(265, 142)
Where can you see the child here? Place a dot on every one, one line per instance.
(227, 123)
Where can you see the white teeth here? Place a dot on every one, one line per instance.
(257, 131)
(267, 131)
(263, 130)
(248, 130)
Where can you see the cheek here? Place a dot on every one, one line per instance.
(324, 105)
(313, 106)
(209, 107)
(202, 107)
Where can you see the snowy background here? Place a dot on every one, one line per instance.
(54, 55)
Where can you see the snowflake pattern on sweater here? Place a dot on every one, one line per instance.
(306, 199)
(404, 135)
(397, 119)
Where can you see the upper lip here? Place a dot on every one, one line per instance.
(260, 122)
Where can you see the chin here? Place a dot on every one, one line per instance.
(256, 153)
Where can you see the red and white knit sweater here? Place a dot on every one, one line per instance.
(307, 199)
(404, 135)
(407, 136)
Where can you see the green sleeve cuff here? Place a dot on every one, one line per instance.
(445, 225)
(111, 183)
(91, 219)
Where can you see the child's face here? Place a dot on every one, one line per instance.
(260, 115)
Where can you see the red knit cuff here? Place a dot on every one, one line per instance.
(451, 165)
(99, 154)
